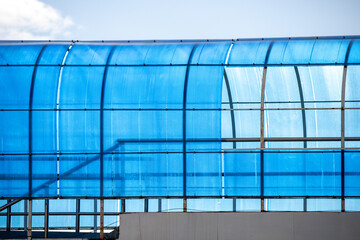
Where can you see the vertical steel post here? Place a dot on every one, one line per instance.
(184, 205)
(77, 221)
(262, 126)
(29, 237)
(305, 204)
(101, 218)
(159, 205)
(146, 205)
(8, 217)
(25, 214)
(123, 205)
(234, 204)
(95, 216)
(46, 219)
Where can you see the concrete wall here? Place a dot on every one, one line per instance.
(244, 226)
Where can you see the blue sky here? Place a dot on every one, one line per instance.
(186, 19)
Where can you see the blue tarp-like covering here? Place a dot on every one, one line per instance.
(156, 119)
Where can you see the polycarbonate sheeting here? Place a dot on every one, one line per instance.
(249, 52)
(135, 175)
(204, 91)
(352, 173)
(302, 174)
(289, 173)
(245, 87)
(352, 100)
(282, 91)
(242, 174)
(19, 54)
(139, 87)
(14, 175)
(79, 128)
(315, 51)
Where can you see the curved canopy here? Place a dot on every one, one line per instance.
(178, 118)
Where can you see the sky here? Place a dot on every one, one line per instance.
(175, 19)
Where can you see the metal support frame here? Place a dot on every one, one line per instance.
(25, 214)
(29, 237)
(101, 218)
(95, 216)
(46, 219)
(102, 121)
(32, 86)
(123, 206)
(8, 216)
(9, 204)
(159, 205)
(262, 125)
(184, 121)
(146, 205)
(184, 205)
(343, 91)
(231, 105)
(77, 216)
(303, 114)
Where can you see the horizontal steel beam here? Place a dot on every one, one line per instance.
(172, 109)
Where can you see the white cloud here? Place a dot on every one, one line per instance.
(31, 20)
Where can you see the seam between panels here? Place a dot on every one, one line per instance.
(58, 117)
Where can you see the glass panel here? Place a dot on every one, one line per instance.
(242, 174)
(2, 221)
(209, 205)
(86, 205)
(38, 205)
(62, 205)
(87, 221)
(302, 173)
(352, 173)
(112, 206)
(248, 205)
(352, 205)
(134, 205)
(17, 222)
(62, 221)
(171, 205)
(326, 205)
(284, 205)
(37, 221)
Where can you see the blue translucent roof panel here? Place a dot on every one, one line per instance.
(354, 54)
(149, 116)
(249, 52)
(18, 54)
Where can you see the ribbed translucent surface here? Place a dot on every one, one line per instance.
(159, 119)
